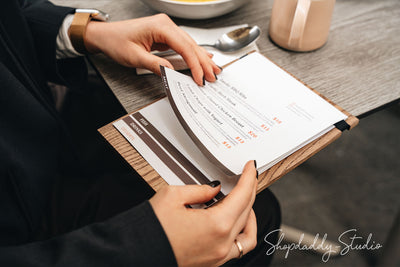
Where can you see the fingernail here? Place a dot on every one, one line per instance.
(214, 183)
(216, 78)
(204, 81)
(257, 175)
(255, 164)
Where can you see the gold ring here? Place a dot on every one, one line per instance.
(240, 248)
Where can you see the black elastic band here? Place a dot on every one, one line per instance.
(245, 55)
(342, 125)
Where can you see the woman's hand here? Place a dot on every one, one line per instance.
(206, 237)
(129, 43)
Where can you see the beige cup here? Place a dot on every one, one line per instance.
(301, 25)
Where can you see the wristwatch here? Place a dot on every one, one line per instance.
(78, 26)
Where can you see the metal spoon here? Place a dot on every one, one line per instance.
(230, 41)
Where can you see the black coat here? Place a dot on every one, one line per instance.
(35, 148)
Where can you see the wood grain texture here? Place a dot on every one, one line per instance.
(337, 70)
(132, 157)
(129, 153)
(358, 68)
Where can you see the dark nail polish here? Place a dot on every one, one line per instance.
(216, 78)
(257, 175)
(214, 183)
(255, 164)
(204, 81)
(220, 68)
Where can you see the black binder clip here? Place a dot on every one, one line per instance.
(342, 125)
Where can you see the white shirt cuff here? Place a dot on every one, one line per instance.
(64, 47)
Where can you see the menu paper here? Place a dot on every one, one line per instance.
(255, 110)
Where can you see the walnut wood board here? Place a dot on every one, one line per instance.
(133, 157)
(129, 153)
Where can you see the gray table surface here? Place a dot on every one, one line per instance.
(358, 68)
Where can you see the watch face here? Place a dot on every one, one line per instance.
(94, 13)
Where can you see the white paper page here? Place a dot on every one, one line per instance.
(254, 111)
(147, 153)
(162, 117)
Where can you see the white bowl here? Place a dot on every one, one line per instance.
(195, 10)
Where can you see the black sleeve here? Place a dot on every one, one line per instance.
(133, 238)
(45, 20)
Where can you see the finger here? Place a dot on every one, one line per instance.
(250, 229)
(184, 45)
(197, 194)
(205, 59)
(159, 47)
(209, 54)
(192, 61)
(153, 63)
(241, 222)
(216, 69)
(242, 195)
(208, 69)
(208, 65)
(247, 239)
(194, 65)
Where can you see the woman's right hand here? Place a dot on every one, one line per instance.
(129, 43)
(207, 236)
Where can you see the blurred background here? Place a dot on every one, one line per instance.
(351, 184)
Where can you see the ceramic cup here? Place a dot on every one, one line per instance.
(301, 25)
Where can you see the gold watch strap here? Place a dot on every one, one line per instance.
(77, 31)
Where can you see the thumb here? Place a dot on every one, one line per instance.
(198, 194)
(152, 62)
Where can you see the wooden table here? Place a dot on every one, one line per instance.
(358, 68)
